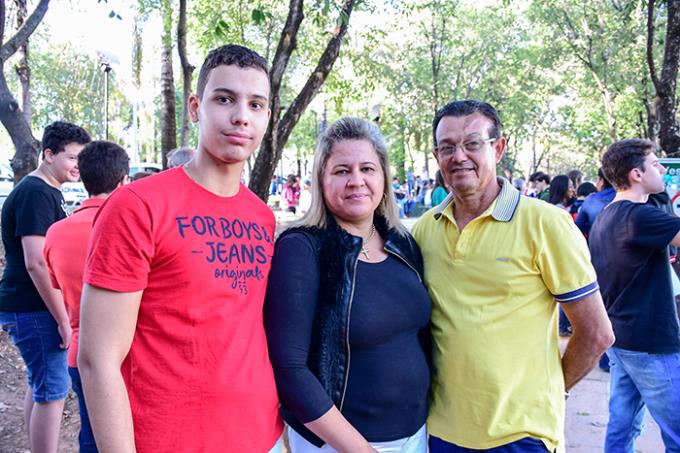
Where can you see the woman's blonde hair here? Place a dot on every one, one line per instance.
(350, 128)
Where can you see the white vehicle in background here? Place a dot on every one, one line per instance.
(6, 181)
(74, 194)
(149, 167)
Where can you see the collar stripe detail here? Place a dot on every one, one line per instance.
(506, 202)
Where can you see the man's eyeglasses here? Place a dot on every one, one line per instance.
(469, 146)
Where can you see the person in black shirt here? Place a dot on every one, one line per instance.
(629, 247)
(346, 311)
(32, 312)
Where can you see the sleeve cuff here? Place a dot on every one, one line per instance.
(577, 294)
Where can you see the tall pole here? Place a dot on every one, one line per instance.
(107, 68)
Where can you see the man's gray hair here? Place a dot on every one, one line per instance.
(180, 156)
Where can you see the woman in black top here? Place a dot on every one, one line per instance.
(346, 312)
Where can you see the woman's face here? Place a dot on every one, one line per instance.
(571, 191)
(353, 181)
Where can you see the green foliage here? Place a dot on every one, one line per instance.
(565, 75)
(303, 138)
(69, 85)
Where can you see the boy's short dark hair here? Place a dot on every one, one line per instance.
(102, 165)
(585, 189)
(540, 176)
(228, 55)
(60, 133)
(622, 157)
(468, 107)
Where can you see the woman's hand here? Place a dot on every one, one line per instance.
(337, 432)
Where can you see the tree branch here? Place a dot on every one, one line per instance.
(22, 35)
(287, 44)
(187, 71)
(650, 43)
(2, 21)
(318, 76)
(574, 37)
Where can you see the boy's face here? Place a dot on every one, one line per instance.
(652, 177)
(64, 164)
(233, 113)
(540, 185)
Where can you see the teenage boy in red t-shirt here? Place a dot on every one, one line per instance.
(173, 354)
(103, 167)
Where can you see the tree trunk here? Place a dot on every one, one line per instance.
(26, 146)
(266, 160)
(187, 71)
(665, 84)
(168, 122)
(25, 159)
(607, 101)
(436, 48)
(649, 122)
(137, 83)
(281, 127)
(22, 68)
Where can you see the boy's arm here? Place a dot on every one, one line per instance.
(108, 321)
(34, 261)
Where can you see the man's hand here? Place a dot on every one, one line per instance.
(592, 335)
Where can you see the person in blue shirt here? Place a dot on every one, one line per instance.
(594, 204)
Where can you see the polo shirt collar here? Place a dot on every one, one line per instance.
(90, 203)
(504, 206)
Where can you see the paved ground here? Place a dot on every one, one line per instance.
(587, 416)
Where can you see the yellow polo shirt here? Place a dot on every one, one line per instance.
(497, 368)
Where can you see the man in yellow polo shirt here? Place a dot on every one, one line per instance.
(495, 265)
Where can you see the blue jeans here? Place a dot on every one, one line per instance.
(526, 445)
(36, 336)
(639, 379)
(565, 325)
(86, 437)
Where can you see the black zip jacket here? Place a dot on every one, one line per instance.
(337, 253)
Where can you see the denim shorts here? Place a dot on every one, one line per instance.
(36, 336)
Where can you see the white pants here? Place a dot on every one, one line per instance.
(278, 446)
(416, 443)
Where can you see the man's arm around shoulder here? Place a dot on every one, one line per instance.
(592, 335)
(107, 326)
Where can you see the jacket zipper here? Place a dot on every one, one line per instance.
(349, 354)
(405, 262)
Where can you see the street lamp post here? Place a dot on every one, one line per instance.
(106, 67)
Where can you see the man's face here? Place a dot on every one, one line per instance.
(466, 172)
(652, 177)
(232, 114)
(64, 165)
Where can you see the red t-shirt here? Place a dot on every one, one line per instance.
(65, 251)
(198, 373)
